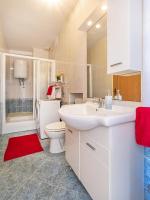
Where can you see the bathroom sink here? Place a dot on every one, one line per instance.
(87, 116)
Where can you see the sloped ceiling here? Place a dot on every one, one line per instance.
(33, 23)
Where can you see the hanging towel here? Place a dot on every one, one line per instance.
(50, 89)
(142, 126)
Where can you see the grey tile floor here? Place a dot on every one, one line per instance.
(40, 176)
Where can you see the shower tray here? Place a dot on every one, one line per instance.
(19, 116)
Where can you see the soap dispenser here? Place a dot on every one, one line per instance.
(108, 101)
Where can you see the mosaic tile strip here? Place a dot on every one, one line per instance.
(19, 105)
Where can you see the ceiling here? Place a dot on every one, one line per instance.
(33, 23)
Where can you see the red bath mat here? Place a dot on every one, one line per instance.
(22, 146)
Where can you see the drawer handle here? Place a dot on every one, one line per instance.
(116, 64)
(91, 147)
(70, 130)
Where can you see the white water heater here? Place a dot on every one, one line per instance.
(20, 69)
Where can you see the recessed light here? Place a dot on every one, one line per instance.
(104, 7)
(89, 23)
(98, 26)
(53, 2)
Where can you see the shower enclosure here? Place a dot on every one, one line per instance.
(24, 81)
(18, 89)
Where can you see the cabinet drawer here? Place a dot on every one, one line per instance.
(93, 174)
(100, 135)
(100, 152)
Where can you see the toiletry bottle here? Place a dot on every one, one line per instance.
(115, 94)
(119, 97)
(108, 101)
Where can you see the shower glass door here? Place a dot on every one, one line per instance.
(43, 71)
(19, 89)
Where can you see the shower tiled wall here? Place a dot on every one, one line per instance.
(147, 173)
(19, 105)
(13, 89)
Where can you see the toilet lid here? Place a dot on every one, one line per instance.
(56, 126)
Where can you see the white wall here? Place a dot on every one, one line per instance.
(3, 46)
(40, 53)
(97, 57)
(146, 57)
(70, 49)
(146, 84)
(0, 99)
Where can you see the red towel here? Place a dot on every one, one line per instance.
(143, 126)
(50, 89)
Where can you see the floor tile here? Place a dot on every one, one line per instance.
(27, 191)
(39, 176)
(45, 191)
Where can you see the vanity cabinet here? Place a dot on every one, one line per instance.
(72, 148)
(124, 36)
(107, 161)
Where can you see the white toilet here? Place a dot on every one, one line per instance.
(56, 132)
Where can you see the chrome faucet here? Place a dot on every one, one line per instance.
(100, 102)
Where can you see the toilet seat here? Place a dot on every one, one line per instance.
(54, 134)
(56, 127)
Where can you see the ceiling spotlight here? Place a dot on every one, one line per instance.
(98, 26)
(53, 2)
(104, 7)
(89, 23)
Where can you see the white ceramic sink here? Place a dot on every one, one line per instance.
(86, 116)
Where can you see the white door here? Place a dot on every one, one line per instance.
(118, 34)
(72, 149)
(93, 173)
(124, 36)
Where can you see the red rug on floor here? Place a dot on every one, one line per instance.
(22, 146)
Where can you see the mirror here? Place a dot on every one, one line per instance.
(98, 81)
